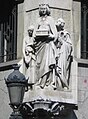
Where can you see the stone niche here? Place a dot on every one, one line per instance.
(30, 15)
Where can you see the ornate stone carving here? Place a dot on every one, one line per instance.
(45, 109)
(63, 56)
(48, 58)
(49, 48)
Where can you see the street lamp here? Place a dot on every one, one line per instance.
(16, 84)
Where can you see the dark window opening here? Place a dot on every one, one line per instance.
(8, 33)
(84, 29)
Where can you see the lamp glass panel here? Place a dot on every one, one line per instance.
(16, 94)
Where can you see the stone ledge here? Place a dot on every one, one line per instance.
(8, 65)
(82, 62)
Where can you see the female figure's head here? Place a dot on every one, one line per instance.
(44, 10)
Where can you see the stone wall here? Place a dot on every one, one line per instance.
(82, 112)
(5, 109)
(20, 29)
(76, 28)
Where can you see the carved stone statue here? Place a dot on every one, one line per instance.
(64, 56)
(44, 34)
(48, 52)
(29, 54)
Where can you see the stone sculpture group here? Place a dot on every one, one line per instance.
(47, 52)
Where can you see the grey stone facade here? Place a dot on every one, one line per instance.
(70, 11)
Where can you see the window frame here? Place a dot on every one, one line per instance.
(8, 36)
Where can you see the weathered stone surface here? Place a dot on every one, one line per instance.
(76, 24)
(20, 30)
(19, 49)
(32, 4)
(5, 109)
